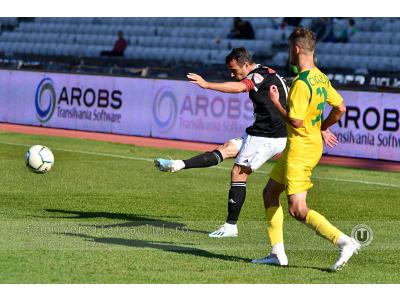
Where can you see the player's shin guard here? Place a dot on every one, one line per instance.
(322, 226)
(237, 195)
(204, 160)
(274, 216)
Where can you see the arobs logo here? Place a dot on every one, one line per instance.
(45, 100)
(165, 109)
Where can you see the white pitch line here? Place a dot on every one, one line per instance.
(217, 167)
(85, 152)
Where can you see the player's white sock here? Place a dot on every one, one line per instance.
(278, 249)
(343, 240)
(230, 226)
(277, 256)
(178, 165)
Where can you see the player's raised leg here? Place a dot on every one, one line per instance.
(204, 160)
(274, 217)
(299, 210)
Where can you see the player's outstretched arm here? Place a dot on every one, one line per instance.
(225, 87)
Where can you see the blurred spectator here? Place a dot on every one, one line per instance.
(119, 46)
(323, 28)
(241, 30)
(290, 21)
(347, 32)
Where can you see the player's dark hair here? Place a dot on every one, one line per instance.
(241, 55)
(304, 37)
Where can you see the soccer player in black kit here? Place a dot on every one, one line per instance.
(261, 141)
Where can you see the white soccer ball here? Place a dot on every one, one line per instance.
(39, 159)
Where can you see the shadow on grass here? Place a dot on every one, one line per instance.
(165, 246)
(172, 247)
(133, 220)
(326, 270)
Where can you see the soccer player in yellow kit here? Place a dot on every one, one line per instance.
(310, 92)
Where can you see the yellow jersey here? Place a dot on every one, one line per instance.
(310, 91)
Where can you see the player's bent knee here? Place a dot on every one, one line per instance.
(271, 197)
(240, 173)
(272, 192)
(273, 188)
(228, 150)
(235, 172)
(293, 212)
(298, 213)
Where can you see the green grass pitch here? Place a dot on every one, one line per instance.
(104, 214)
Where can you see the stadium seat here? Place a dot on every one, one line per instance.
(174, 55)
(217, 56)
(356, 49)
(280, 59)
(92, 50)
(10, 36)
(395, 64)
(365, 25)
(396, 38)
(11, 21)
(306, 22)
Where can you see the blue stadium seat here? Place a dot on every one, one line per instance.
(10, 36)
(280, 59)
(396, 38)
(217, 56)
(395, 65)
(12, 21)
(365, 25)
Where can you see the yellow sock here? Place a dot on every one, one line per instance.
(322, 226)
(274, 216)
